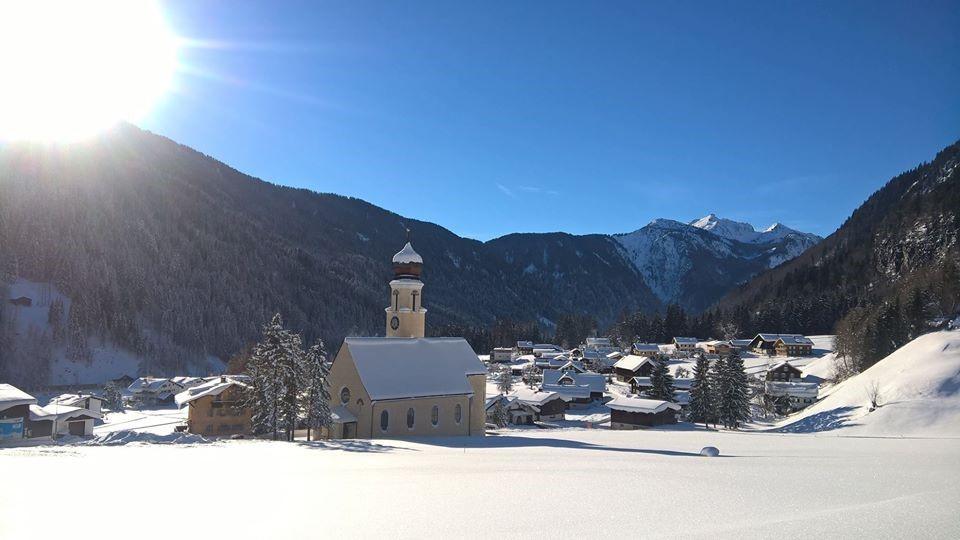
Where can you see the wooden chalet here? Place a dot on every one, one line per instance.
(783, 372)
(631, 366)
(781, 345)
(638, 413)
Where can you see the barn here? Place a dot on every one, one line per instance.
(637, 413)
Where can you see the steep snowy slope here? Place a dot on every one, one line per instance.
(694, 264)
(918, 388)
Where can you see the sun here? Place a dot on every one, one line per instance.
(71, 68)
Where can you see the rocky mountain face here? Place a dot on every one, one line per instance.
(694, 264)
(881, 277)
(169, 253)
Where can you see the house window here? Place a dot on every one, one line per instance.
(411, 416)
(435, 415)
(384, 420)
(344, 395)
(457, 413)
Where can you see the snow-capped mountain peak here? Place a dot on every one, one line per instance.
(726, 228)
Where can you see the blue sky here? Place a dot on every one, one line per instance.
(496, 117)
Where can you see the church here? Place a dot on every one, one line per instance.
(405, 384)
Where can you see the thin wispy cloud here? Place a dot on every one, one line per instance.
(532, 190)
(506, 191)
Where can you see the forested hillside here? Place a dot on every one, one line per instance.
(173, 255)
(880, 279)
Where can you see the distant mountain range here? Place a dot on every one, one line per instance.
(694, 264)
(170, 253)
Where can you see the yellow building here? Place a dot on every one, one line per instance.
(404, 384)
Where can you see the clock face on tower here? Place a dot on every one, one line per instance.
(394, 322)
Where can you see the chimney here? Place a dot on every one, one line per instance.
(223, 378)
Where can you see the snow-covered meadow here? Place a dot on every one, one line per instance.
(520, 484)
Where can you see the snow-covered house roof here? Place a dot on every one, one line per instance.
(151, 384)
(567, 391)
(392, 368)
(780, 364)
(789, 339)
(11, 396)
(594, 381)
(794, 389)
(73, 399)
(524, 344)
(648, 406)
(59, 413)
(685, 340)
(573, 365)
(631, 362)
(652, 348)
(615, 355)
(534, 397)
(407, 256)
(741, 343)
(642, 382)
(211, 388)
(598, 342)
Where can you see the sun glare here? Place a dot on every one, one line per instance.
(69, 68)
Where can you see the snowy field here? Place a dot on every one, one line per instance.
(522, 484)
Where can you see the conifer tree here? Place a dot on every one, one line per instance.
(501, 416)
(112, 397)
(733, 397)
(661, 381)
(316, 394)
(702, 407)
(272, 370)
(505, 379)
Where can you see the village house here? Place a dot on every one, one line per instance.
(781, 345)
(645, 349)
(62, 420)
(573, 365)
(723, 348)
(573, 394)
(786, 397)
(638, 413)
(405, 384)
(549, 406)
(524, 347)
(216, 408)
(90, 402)
(595, 382)
(631, 366)
(123, 381)
(519, 413)
(784, 372)
(151, 391)
(14, 412)
(684, 345)
(502, 355)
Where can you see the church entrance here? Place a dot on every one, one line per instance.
(349, 430)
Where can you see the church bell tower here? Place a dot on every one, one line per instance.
(406, 315)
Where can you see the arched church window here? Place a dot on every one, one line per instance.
(457, 413)
(410, 418)
(435, 415)
(384, 420)
(344, 395)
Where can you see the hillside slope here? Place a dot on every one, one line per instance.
(891, 266)
(918, 388)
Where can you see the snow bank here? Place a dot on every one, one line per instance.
(125, 437)
(919, 394)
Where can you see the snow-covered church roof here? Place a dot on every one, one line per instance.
(393, 368)
(407, 256)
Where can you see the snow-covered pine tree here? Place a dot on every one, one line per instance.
(316, 393)
(734, 392)
(272, 370)
(504, 379)
(292, 383)
(112, 397)
(501, 416)
(701, 395)
(661, 381)
(532, 376)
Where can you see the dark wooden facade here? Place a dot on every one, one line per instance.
(555, 406)
(643, 371)
(784, 372)
(667, 416)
